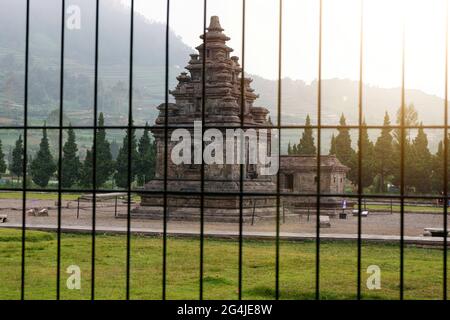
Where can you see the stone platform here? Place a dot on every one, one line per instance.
(217, 205)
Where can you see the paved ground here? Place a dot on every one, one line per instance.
(376, 224)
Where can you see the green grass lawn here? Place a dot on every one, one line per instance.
(338, 269)
(408, 208)
(38, 195)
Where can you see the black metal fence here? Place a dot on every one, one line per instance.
(359, 196)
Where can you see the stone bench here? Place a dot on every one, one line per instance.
(3, 218)
(364, 213)
(434, 232)
(324, 222)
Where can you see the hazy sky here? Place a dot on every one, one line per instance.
(425, 37)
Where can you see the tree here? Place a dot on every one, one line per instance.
(289, 148)
(411, 119)
(333, 145)
(367, 158)
(104, 162)
(86, 170)
(43, 166)
(2, 160)
(343, 143)
(147, 157)
(437, 166)
(383, 154)
(421, 165)
(306, 145)
(70, 162)
(16, 165)
(114, 149)
(122, 172)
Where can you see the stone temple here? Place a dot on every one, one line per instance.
(222, 110)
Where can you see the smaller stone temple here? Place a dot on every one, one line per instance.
(298, 175)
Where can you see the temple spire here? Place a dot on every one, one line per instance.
(214, 24)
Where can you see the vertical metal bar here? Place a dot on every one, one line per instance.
(166, 133)
(277, 244)
(115, 207)
(130, 159)
(241, 166)
(25, 147)
(445, 154)
(61, 106)
(402, 166)
(94, 153)
(202, 169)
(360, 123)
(319, 124)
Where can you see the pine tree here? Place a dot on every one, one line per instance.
(70, 162)
(121, 174)
(367, 160)
(114, 149)
(147, 157)
(2, 160)
(86, 170)
(437, 165)
(333, 146)
(343, 143)
(383, 154)
(104, 162)
(16, 165)
(421, 164)
(411, 119)
(437, 174)
(289, 148)
(306, 145)
(43, 166)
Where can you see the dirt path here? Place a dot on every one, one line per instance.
(377, 223)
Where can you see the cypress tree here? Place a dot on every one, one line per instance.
(16, 164)
(306, 145)
(147, 157)
(86, 170)
(121, 174)
(383, 154)
(2, 160)
(437, 174)
(333, 145)
(421, 164)
(289, 148)
(367, 159)
(43, 166)
(70, 162)
(104, 162)
(343, 144)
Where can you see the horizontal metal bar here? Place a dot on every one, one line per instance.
(274, 194)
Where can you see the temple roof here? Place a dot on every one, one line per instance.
(305, 161)
(223, 86)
